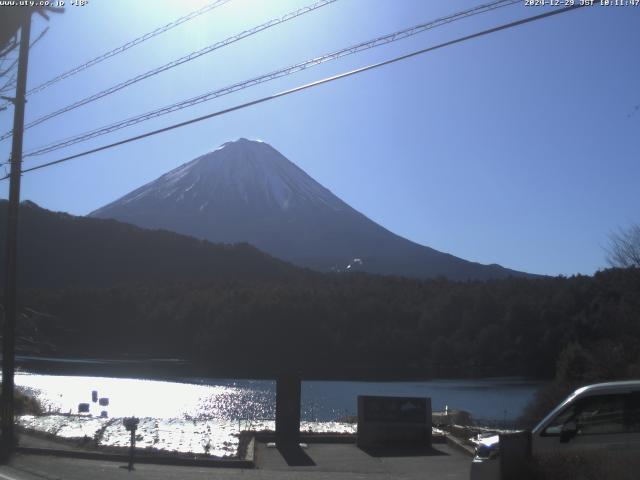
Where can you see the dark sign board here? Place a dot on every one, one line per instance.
(393, 421)
(395, 409)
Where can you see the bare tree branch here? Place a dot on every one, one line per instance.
(10, 82)
(39, 37)
(9, 68)
(624, 247)
(9, 47)
(9, 85)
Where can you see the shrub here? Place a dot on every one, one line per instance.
(25, 404)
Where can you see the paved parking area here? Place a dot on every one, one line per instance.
(348, 461)
(317, 462)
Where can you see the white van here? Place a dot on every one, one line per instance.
(600, 416)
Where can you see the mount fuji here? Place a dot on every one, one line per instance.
(246, 191)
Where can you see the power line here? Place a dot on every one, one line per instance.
(175, 63)
(307, 86)
(382, 40)
(128, 45)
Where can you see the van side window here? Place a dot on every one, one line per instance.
(555, 426)
(602, 414)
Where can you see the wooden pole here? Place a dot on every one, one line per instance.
(10, 283)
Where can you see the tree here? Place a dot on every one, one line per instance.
(10, 21)
(624, 247)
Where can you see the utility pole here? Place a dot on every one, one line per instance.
(10, 283)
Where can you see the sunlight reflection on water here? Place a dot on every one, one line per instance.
(150, 398)
(179, 417)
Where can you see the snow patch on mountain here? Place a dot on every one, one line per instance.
(252, 171)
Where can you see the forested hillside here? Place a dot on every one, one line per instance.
(362, 325)
(58, 250)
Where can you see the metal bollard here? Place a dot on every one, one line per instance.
(131, 424)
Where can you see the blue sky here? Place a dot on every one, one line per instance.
(519, 148)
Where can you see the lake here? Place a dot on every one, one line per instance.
(206, 414)
(489, 398)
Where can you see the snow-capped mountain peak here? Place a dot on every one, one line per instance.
(252, 172)
(247, 191)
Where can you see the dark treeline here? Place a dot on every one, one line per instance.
(57, 250)
(581, 328)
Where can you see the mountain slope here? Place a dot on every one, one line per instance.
(57, 249)
(246, 191)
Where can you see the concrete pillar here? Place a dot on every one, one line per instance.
(288, 390)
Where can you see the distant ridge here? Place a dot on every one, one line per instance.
(246, 191)
(57, 250)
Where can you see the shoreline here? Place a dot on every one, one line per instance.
(180, 438)
(185, 371)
